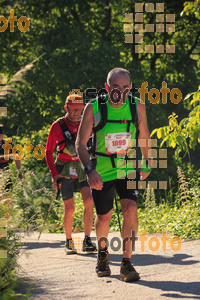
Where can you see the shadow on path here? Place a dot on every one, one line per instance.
(171, 289)
(174, 286)
(153, 259)
(39, 245)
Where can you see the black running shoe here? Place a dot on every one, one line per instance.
(102, 268)
(69, 247)
(128, 272)
(88, 246)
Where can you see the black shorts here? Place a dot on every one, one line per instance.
(103, 199)
(69, 186)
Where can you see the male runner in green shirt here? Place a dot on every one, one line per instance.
(113, 139)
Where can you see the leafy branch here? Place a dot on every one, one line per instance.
(186, 134)
(10, 88)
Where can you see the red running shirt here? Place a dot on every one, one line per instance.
(56, 136)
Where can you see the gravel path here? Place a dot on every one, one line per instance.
(55, 275)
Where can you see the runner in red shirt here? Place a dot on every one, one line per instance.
(68, 167)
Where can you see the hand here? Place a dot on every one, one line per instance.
(54, 181)
(143, 175)
(94, 179)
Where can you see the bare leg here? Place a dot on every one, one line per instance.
(88, 209)
(68, 217)
(102, 223)
(130, 225)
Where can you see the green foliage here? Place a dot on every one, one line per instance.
(177, 134)
(178, 221)
(10, 87)
(183, 186)
(68, 63)
(9, 243)
(192, 8)
(8, 265)
(33, 158)
(150, 201)
(79, 210)
(77, 43)
(32, 202)
(180, 215)
(178, 212)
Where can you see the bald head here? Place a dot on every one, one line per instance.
(117, 72)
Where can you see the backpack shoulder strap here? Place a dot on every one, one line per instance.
(104, 114)
(71, 137)
(63, 125)
(133, 109)
(134, 115)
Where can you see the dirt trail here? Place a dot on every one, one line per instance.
(55, 275)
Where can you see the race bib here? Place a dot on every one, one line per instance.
(117, 142)
(73, 173)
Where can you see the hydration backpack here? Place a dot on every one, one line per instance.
(69, 140)
(104, 120)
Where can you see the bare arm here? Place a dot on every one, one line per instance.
(85, 128)
(144, 135)
(83, 135)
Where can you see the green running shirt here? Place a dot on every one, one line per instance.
(111, 137)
